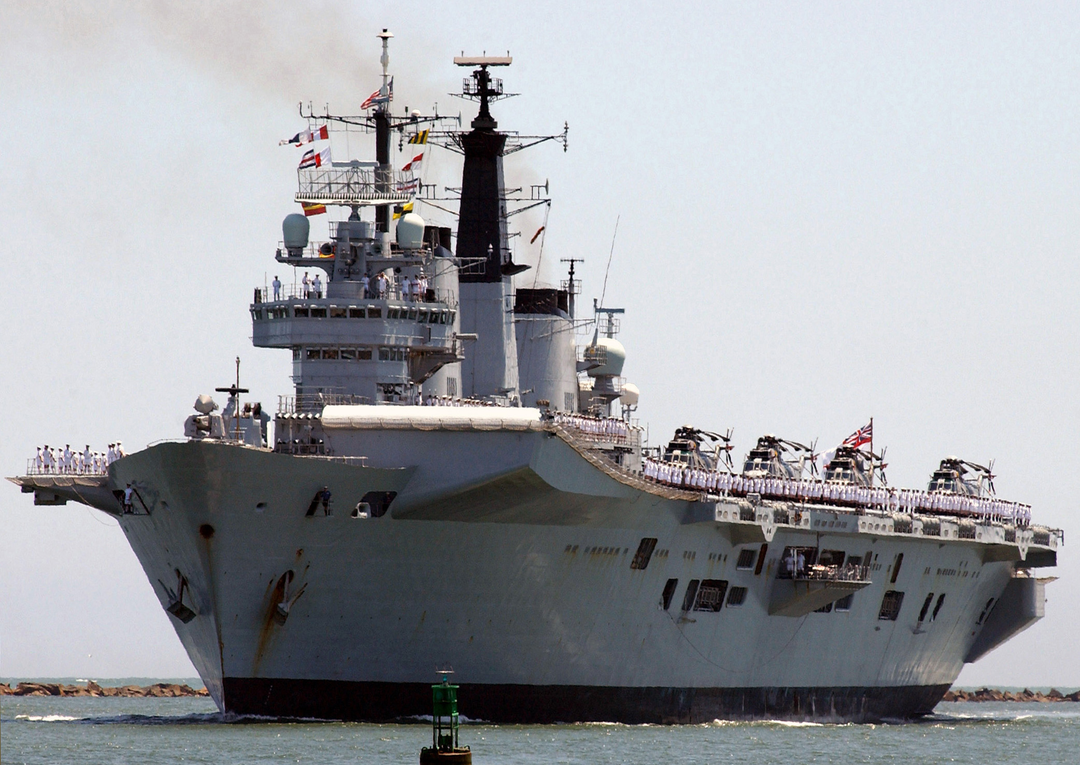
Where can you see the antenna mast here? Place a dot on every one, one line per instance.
(382, 135)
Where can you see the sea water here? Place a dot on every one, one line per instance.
(145, 731)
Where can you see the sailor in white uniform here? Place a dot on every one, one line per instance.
(276, 284)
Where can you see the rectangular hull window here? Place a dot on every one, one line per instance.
(937, 608)
(746, 559)
(844, 604)
(710, 595)
(926, 606)
(890, 606)
(691, 593)
(736, 596)
(761, 559)
(831, 558)
(643, 554)
(669, 593)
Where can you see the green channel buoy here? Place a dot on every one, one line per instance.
(444, 727)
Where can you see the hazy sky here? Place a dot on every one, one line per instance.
(829, 211)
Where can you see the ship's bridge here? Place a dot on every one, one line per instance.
(384, 322)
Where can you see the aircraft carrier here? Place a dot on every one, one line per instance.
(459, 479)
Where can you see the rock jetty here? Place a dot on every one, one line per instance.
(992, 694)
(157, 690)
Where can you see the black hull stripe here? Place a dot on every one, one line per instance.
(380, 702)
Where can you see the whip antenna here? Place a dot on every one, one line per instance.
(607, 270)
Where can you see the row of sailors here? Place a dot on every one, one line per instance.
(885, 498)
(601, 427)
(453, 401)
(65, 461)
(411, 288)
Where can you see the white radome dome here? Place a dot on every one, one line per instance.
(204, 404)
(410, 232)
(630, 394)
(614, 355)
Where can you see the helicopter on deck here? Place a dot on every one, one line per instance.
(774, 457)
(959, 476)
(687, 447)
(852, 465)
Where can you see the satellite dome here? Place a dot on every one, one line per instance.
(294, 231)
(410, 232)
(630, 394)
(204, 404)
(610, 353)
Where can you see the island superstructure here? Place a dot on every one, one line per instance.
(457, 481)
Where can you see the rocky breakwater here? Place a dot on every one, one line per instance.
(992, 694)
(157, 690)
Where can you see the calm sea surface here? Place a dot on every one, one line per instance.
(189, 730)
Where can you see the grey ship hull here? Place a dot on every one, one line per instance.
(520, 578)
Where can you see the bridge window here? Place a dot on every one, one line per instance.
(356, 313)
(374, 312)
(296, 354)
(363, 354)
(338, 313)
(318, 313)
(710, 595)
(300, 311)
(890, 606)
(312, 354)
(330, 353)
(348, 354)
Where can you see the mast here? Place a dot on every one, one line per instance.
(382, 136)
(481, 220)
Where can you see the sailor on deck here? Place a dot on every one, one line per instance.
(276, 284)
(305, 284)
(316, 287)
